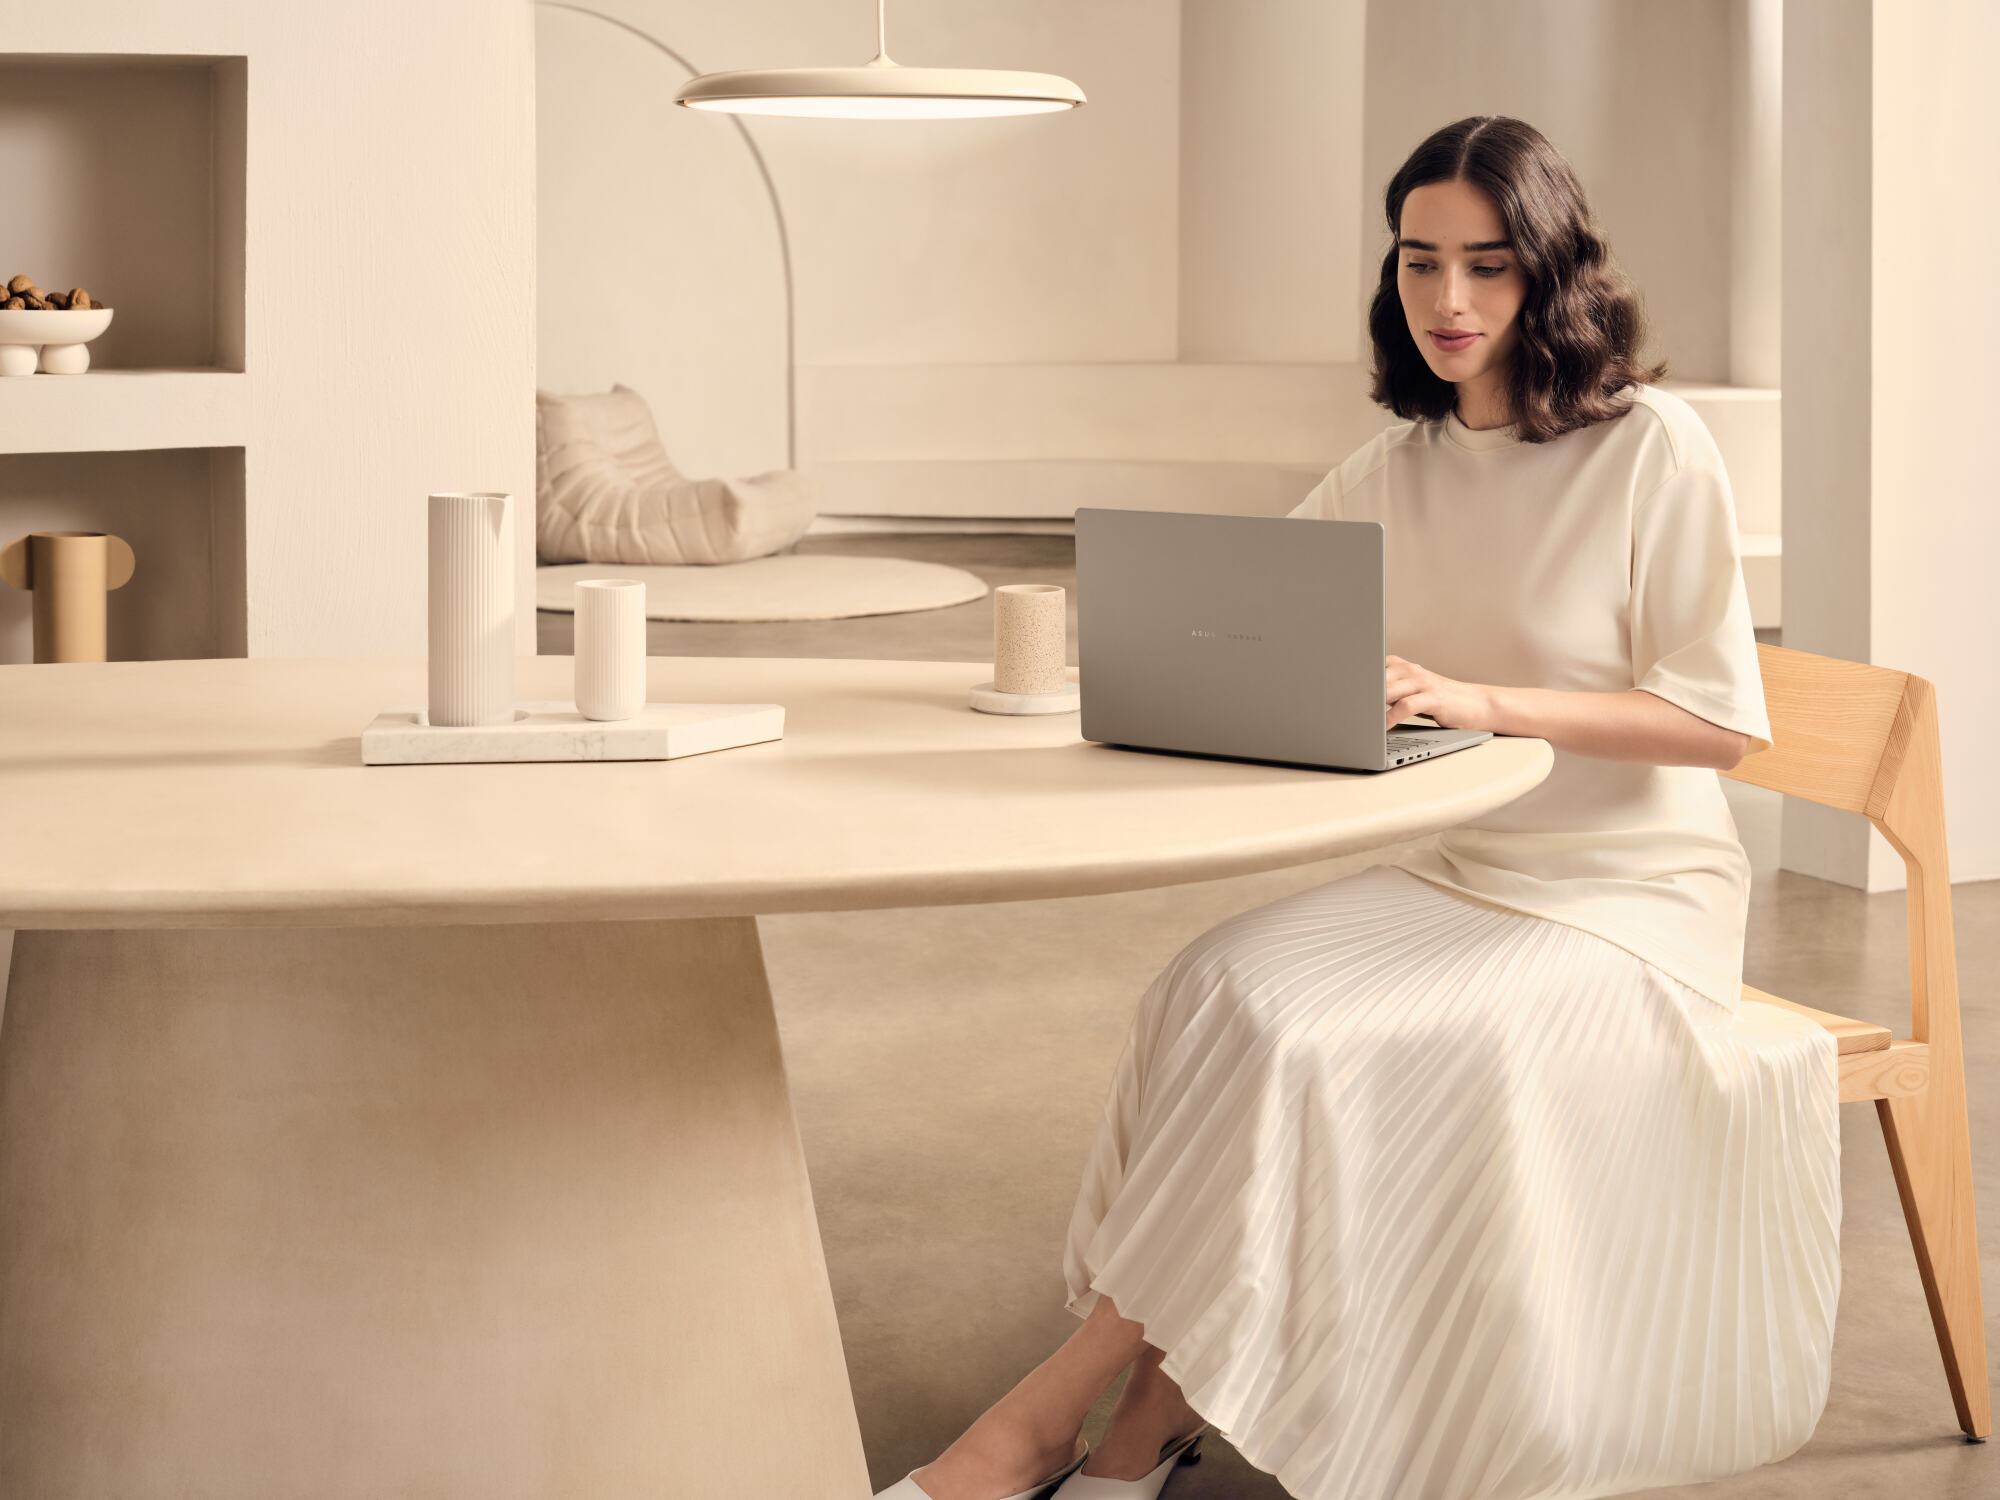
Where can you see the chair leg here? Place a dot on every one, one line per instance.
(1930, 1150)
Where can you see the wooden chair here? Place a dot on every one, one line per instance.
(1865, 739)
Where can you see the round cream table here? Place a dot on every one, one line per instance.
(384, 1131)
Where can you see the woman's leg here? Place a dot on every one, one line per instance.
(1032, 1431)
(1151, 1413)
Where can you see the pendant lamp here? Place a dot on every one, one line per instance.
(880, 90)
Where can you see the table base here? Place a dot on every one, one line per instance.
(483, 1211)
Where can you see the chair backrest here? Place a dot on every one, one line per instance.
(1865, 739)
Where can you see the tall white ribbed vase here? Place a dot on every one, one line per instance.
(610, 647)
(472, 609)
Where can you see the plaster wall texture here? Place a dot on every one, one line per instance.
(1828, 168)
(1891, 524)
(1934, 528)
(1756, 199)
(387, 254)
(1934, 522)
(1271, 114)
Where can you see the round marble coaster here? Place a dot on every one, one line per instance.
(990, 700)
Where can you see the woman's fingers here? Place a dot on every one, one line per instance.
(1401, 681)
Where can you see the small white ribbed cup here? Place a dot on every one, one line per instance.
(610, 647)
(472, 609)
(1030, 638)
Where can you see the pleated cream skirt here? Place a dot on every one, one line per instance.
(1426, 1199)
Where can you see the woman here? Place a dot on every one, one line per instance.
(1461, 1178)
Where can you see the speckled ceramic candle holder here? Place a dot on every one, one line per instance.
(1030, 652)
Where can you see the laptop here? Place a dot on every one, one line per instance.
(1242, 637)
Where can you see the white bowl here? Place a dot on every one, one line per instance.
(52, 325)
(58, 332)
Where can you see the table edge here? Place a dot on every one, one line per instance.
(882, 891)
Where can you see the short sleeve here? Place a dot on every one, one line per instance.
(1691, 636)
(1322, 502)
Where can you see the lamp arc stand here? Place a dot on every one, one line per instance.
(777, 213)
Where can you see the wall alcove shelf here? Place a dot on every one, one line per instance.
(116, 410)
(182, 511)
(126, 175)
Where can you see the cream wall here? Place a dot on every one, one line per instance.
(1828, 183)
(1890, 124)
(1756, 183)
(391, 145)
(388, 270)
(659, 254)
(1271, 113)
(1044, 238)
(1936, 522)
(1038, 238)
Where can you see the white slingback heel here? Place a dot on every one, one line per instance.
(907, 1487)
(1097, 1487)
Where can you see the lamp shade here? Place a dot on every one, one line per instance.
(881, 90)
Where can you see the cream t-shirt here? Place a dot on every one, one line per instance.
(1601, 561)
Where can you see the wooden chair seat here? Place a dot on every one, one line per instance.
(1853, 1036)
(1873, 1063)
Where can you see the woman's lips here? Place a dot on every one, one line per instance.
(1452, 345)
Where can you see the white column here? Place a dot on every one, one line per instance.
(1890, 522)
(1756, 160)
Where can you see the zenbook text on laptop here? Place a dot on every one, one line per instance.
(1245, 637)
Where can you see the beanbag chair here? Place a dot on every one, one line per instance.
(606, 492)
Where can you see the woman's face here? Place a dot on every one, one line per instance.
(1454, 277)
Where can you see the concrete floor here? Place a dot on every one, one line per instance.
(949, 1066)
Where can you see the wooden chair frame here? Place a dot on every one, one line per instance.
(1865, 739)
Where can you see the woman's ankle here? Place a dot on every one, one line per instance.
(1151, 1415)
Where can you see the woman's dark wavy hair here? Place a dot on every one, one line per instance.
(1580, 322)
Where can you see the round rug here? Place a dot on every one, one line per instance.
(787, 586)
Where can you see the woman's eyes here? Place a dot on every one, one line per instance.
(1419, 265)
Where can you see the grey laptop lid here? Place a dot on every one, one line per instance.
(1259, 637)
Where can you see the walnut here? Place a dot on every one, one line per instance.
(56, 300)
(81, 298)
(35, 300)
(21, 283)
(14, 303)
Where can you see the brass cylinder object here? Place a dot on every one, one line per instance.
(69, 573)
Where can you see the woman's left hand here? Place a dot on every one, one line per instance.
(1455, 705)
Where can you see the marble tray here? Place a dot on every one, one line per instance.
(556, 731)
(1067, 699)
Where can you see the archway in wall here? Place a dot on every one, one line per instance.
(659, 264)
